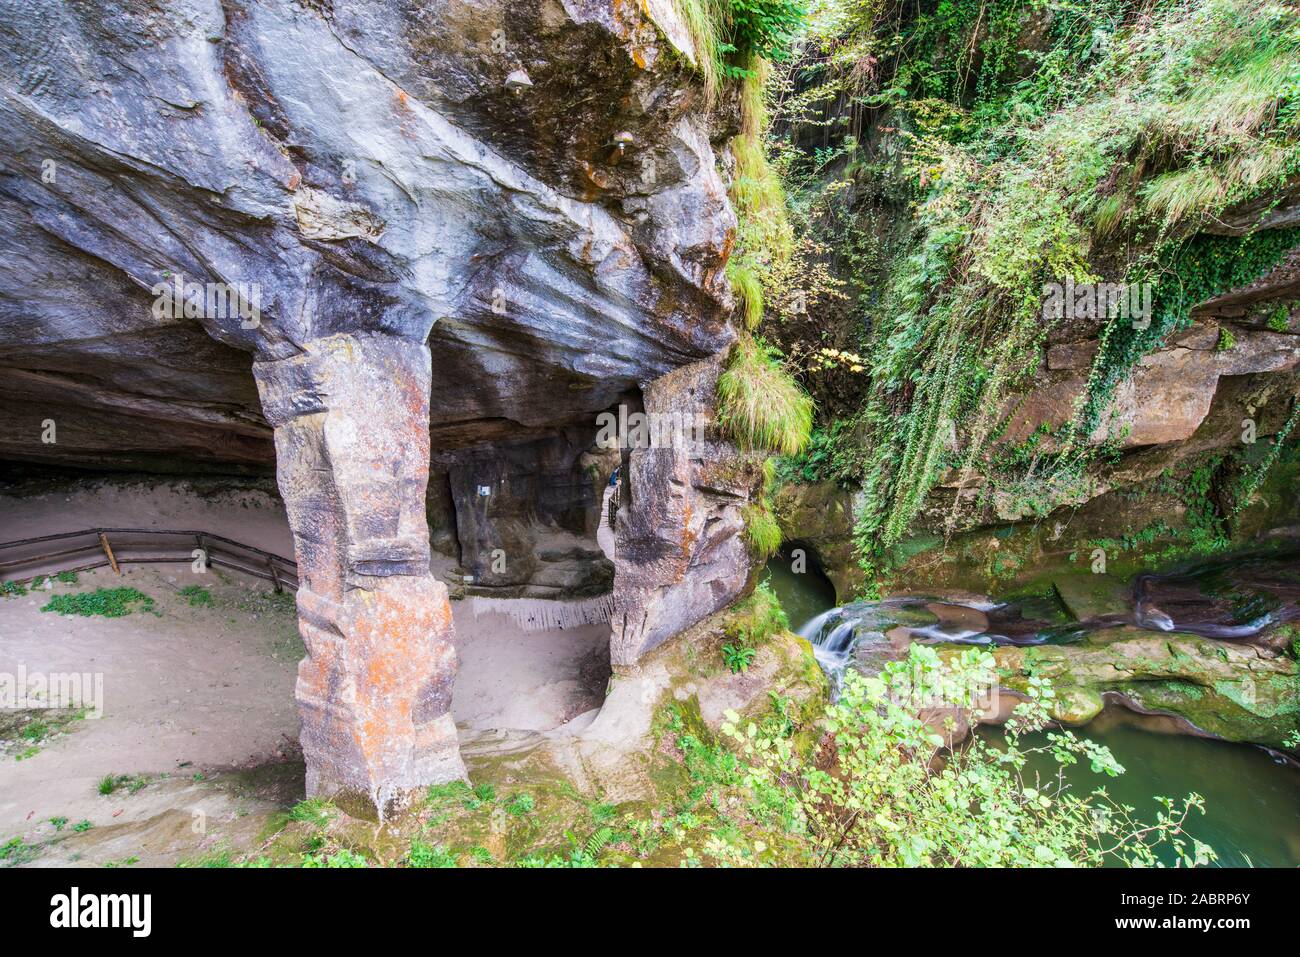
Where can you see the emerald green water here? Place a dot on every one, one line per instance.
(804, 595)
(1252, 802)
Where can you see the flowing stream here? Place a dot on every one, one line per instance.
(1235, 598)
(1252, 798)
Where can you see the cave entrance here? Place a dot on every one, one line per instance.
(795, 574)
(521, 535)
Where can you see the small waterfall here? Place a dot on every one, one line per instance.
(1234, 597)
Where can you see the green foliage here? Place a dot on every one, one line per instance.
(1253, 477)
(314, 811)
(765, 28)
(426, 855)
(484, 793)
(760, 405)
(752, 620)
(451, 790)
(14, 852)
(727, 35)
(1138, 121)
(748, 289)
(197, 596)
(737, 657)
(705, 22)
(1185, 274)
(830, 454)
(218, 858)
(748, 624)
(897, 792)
(521, 804)
(82, 826)
(1279, 320)
(107, 602)
(111, 782)
(761, 531)
(344, 858)
(12, 589)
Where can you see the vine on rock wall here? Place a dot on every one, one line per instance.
(1043, 143)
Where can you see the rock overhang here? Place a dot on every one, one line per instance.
(367, 171)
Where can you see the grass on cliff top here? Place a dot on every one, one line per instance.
(760, 405)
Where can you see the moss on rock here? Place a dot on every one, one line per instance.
(1233, 691)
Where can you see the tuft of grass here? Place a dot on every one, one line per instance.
(220, 857)
(1279, 320)
(706, 22)
(748, 289)
(12, 589)
(197, 596)
(1226, 341)
(457, 790)
(761, 531)
(484, 793)
(106, 602)
(111, 782)
(753, 620)
(760, 405)
(313, 811)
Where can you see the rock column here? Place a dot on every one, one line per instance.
(679, 550)
(351, 420)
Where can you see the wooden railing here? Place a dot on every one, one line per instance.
(27, 558)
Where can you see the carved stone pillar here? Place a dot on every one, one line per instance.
(679, 553)
(351, 420)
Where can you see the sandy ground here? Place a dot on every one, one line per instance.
(198, 699)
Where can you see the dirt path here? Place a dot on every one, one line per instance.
(189, 689)
(184, 689)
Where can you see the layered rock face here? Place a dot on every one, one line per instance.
(678, 552)
(352, 447)
(384, 232)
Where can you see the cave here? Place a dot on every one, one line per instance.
(385, 297)
(531, 432)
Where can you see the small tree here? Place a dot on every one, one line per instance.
(891, 786)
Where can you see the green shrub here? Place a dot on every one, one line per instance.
(896, 793)
(426, 855)
(765, 28)
(344, 858)
(107, 602)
